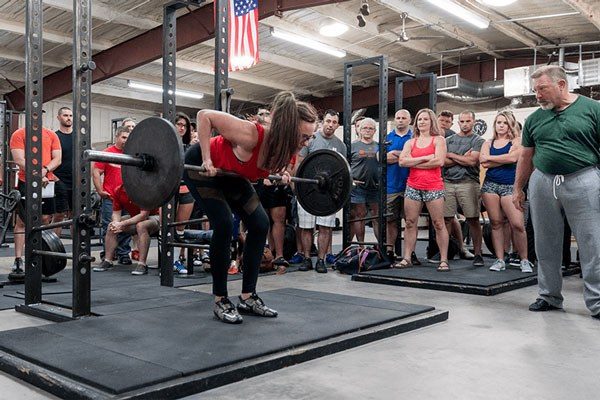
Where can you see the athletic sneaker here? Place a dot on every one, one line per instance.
(435, 259)
(297, 258)
(233, 268)
(197, 261)
(125, 260)
(514, 260)
(466, 255)
(281, 262)
(17, 266)
(526, 266)
(179, 267)
(320, 266)
(330, 259)
(141, 269)
(478, 261)
(498, 265)
(227, 312)
(135, 255)
(104, 266)
(255, 305)
(306, 265)
(415, 260)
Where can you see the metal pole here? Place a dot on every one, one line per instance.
(82, 89)
(221, 52)
(169, 110)
(121, 159)
(383, 114)
(4, 154)
(347, 140)
(33, 149)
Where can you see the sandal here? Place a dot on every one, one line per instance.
(404, 263)
(443, 266)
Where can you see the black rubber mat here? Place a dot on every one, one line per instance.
(462, 277)
(184, 347)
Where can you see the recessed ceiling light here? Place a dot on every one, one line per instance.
(497, 3)
(333, 29)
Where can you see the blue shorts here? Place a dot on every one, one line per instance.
(361, 195)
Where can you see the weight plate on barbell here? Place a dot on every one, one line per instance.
(330, 196)
(157, 138)
(52, 265)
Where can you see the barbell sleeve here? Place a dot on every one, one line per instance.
(116, 158)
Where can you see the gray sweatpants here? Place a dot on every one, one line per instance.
(578, 196)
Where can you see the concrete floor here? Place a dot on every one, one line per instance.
(490, 348)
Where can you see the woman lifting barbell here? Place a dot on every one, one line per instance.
(252, 151)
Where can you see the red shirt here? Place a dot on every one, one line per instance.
(221, 153)
(424, 179)
(112, 172)
(50, 142)
(122, 202)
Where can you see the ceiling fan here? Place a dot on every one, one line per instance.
(403, 36)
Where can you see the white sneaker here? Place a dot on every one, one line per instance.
(526, 266)
(498, 265)
(466, 255)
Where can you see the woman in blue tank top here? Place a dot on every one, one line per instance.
(500, 156)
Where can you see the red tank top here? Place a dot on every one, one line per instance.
(223, 157)
(425, 179)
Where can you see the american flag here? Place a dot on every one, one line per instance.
(243, 34)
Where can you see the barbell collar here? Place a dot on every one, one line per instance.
(115, 158)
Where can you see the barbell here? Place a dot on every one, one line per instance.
(153, 164)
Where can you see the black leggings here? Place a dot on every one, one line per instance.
(219, 197)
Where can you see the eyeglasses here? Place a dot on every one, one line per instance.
(367, 128)
(181, 124)
(262, 114)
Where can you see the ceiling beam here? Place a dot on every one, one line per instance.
(20, 56)
(131, 94)
(105, 13)
(589, 11)
(439, 24)
(49, 35)
(192, 28)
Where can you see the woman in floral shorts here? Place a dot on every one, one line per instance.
(424, 154)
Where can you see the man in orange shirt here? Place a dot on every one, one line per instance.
(51, 159)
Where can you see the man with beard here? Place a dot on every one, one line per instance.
(560, 159)
(63, 189)
(324, 139)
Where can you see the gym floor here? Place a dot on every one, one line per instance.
(491, 347)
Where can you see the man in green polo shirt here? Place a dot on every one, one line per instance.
(560, 157)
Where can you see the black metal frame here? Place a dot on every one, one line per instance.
(382, 63)
(169, 84)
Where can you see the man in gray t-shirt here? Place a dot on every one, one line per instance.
(324, 139)
(461, 179)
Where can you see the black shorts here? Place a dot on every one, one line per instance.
(63, 197)
(273, 196)
(48, 206)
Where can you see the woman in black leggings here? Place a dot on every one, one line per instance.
(253, 152)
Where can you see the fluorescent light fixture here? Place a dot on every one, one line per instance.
(496, 3)
(310, 43)
(333, 29)
(462, 12)
(565, 14)
(157, 89)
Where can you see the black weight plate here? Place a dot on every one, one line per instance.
(326, 199)
(157, 138)
(52, 265)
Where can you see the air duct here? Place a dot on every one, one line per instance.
(455, 88)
